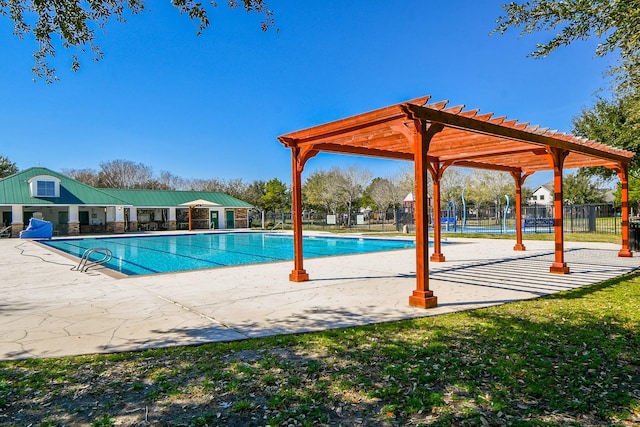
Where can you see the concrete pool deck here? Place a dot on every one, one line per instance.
(47, 310)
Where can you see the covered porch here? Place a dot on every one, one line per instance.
(67, 220)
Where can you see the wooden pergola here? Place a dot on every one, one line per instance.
(435, 137)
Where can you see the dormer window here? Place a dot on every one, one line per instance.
(46, 189)
(44, 186)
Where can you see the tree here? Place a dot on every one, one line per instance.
(86, 176)
(489, 187)
(526, 194)
(406, 180)
(153, 184)
(74, 23)
(613, 122)
(634, 194)
(351, 183)
(616, 23)
(7, 167)
(276, 197)
(451, 185)
(320, 191)
(313, 191)
(171, 181)
(579, 189)
(385, 194)
(235, 187)
(253, 193)
(212, 184)
(124, 174)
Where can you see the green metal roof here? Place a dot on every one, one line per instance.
(163, 198)
(14, 190)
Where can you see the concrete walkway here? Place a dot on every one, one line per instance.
(47, 310)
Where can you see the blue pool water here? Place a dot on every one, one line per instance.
(163, 254)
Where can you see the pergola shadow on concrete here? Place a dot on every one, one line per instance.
(435, 137)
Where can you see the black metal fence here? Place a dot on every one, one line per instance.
(487, 218)
(370, 221)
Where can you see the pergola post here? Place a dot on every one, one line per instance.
(557, 161)
(519, 179)
(298, 274)
(422, 297)
(623, 174)
(436, 169)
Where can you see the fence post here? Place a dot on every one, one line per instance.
(592, 218)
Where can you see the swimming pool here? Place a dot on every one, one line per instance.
(170, 253)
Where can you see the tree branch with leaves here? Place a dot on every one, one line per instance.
(7, 167)
(74, 23)
(615, 23)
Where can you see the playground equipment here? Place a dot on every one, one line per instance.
(451, 220)
(464, 211)
(37, 229)
(504, 215)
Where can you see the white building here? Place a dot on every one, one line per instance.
(543, 195)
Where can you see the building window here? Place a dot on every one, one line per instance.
(46, 189)
(533, 197)
(44, 186)
(542, 197)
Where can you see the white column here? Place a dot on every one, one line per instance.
(133, 214)
(16, 214)
(73, 220)
(172, 214)
(222, 219)
(119, 213)
(111, 214)
(73, 214)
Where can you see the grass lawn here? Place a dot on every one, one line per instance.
(568, 237)
(568, 359)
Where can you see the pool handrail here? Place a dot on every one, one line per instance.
(85, 264)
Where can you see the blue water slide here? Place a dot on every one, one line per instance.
(37, 229)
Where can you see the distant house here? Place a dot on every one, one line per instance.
(609, 195)
(543, 195)
(75, 208)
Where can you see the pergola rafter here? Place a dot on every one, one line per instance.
(435, 137)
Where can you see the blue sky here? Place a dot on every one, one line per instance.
(211, 106)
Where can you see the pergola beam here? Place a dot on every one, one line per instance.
(477, 165)
(493, 152)
(515, 132)
(354, 123)
(363, 151)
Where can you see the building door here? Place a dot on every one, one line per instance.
(63, 222)
(27, 216)
(231, 219)
(6, 218)
(83, 217)
(214, 220)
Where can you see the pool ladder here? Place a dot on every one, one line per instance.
(85, 263)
